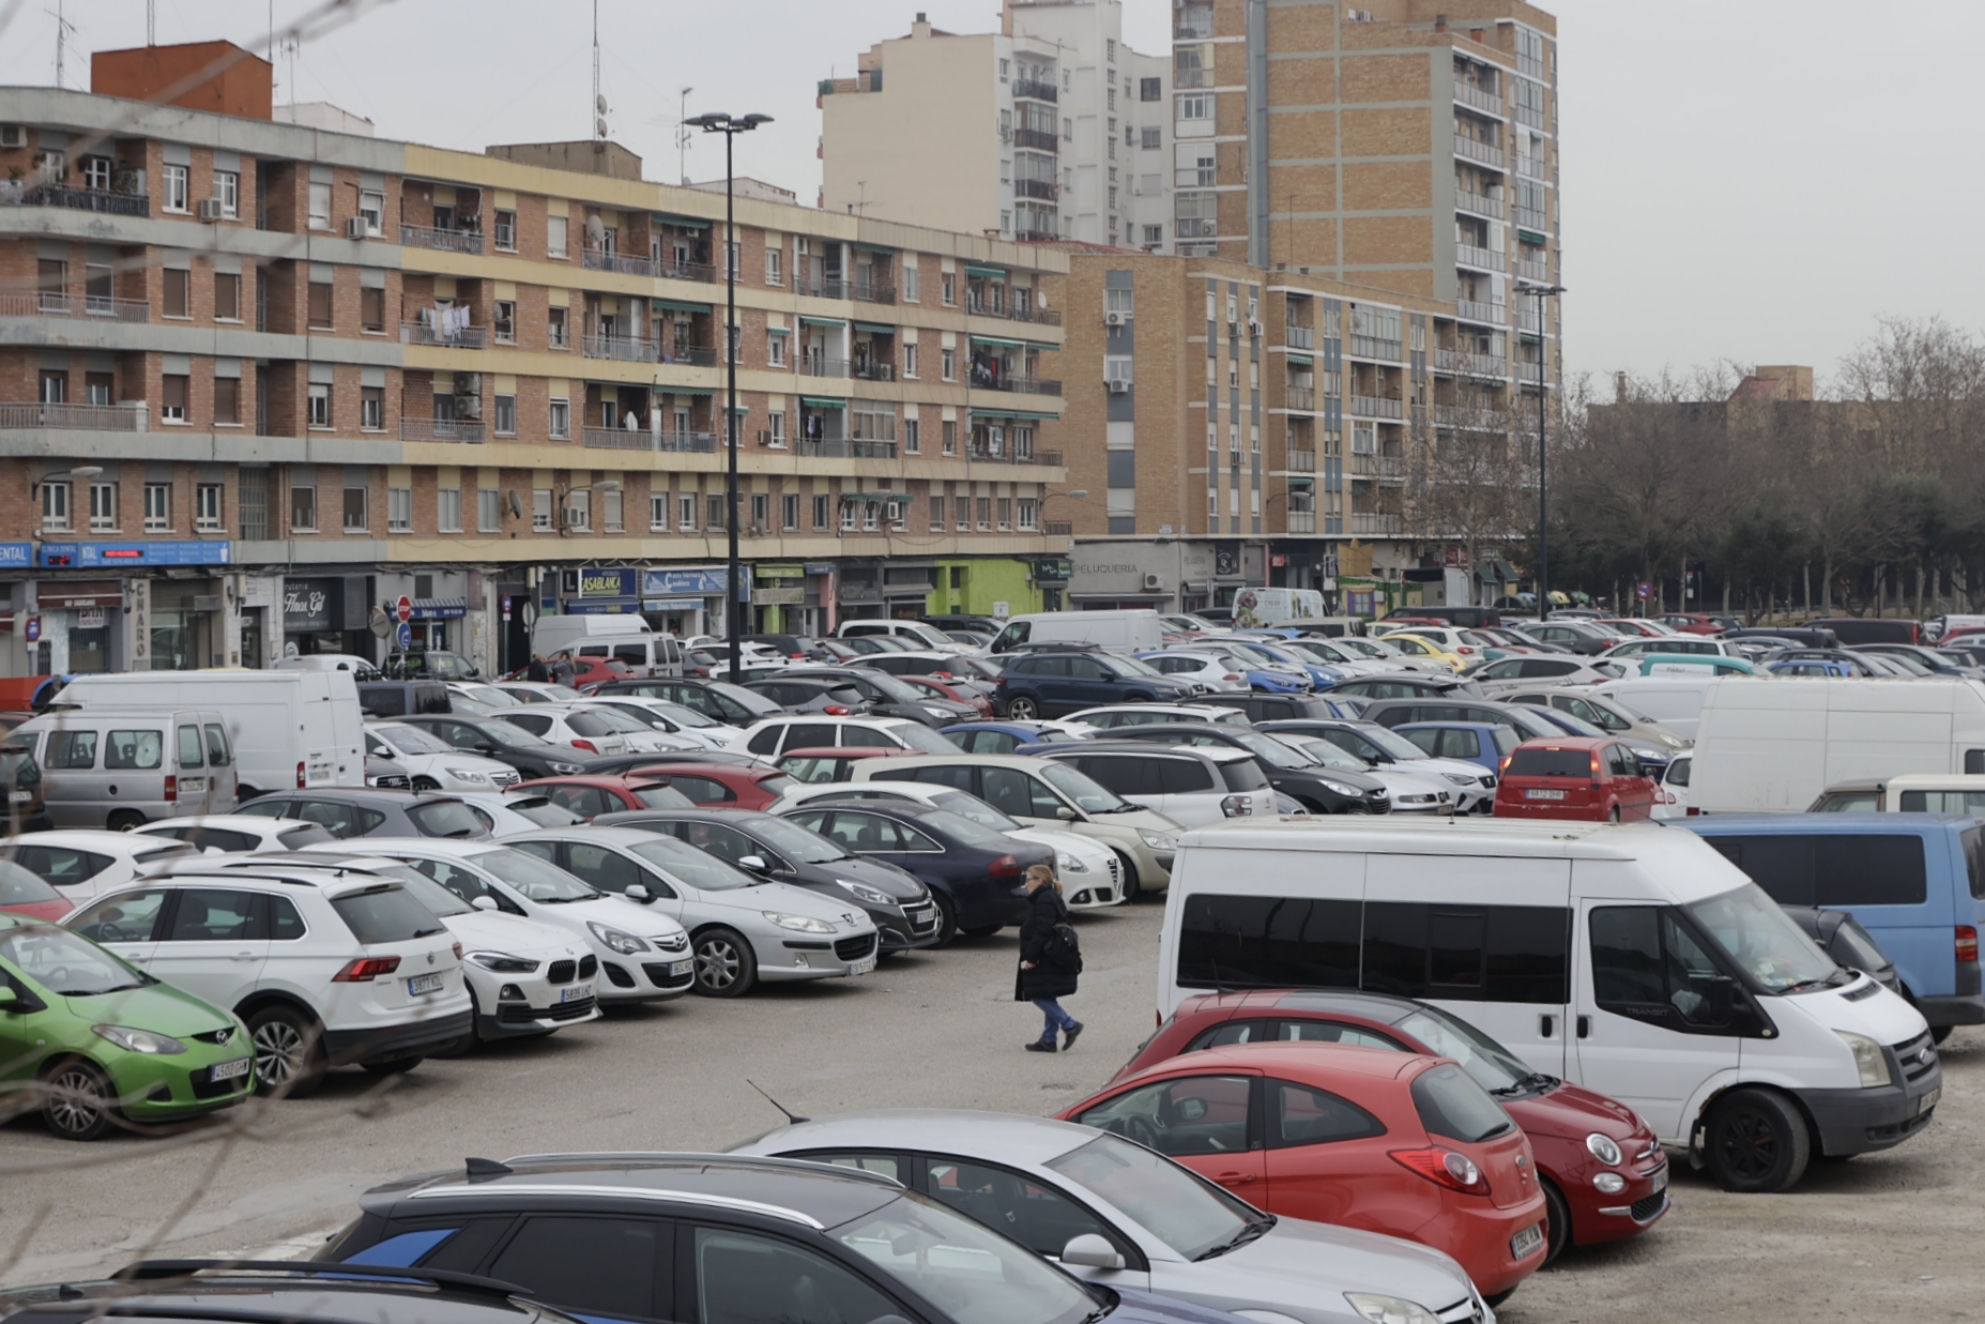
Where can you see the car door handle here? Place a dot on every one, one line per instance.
(1584, 1027)
(1545, 1025)
(1237, 1178)
(244, 956)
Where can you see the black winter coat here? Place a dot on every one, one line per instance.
(1045, 909)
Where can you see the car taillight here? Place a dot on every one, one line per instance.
(458, 951)
(366, 968)
(1000, 683)
(1004, 867)
(1237, 806)
(1463, 649)
(1232, 676)
(586, 745)
(1503, 767)
(1967, 944)
(837, 710)
(299, 777)
(1692, 812)
(171, 788)
(1444, 1167)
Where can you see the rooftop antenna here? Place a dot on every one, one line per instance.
(682, 134)
(63, 27)
(151, 22)
(599, 101)
(791, 1116)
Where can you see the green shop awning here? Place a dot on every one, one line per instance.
(995, 340)
(1022, 415)
(822, 321)
(679, 222)
(1531, 236)
(675, 390)
(677, 306)
(874, 248)
(871, 496)
(987, 273)
(778, 330)
(876, 328)
(822, 402)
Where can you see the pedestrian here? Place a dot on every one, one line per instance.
(561, 668)
(537, 671)
(1049, 959)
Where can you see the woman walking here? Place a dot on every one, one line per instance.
(1049, 960)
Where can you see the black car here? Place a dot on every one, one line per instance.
(972, 871)
(890, 697)
(1851, 630)
(810, 694)
(349, 812)
(254, 1291)
(1319, 789)
(721, 701)
(398, 698)
(1054, 684)
(1401, 685)
(1529, 722)
(1927, 658)
(1840, 936)
(1795, 636)
(1272, 707)
(768, 846)
(495, 738)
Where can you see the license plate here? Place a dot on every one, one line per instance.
(420, 984)
(1543, 795)
(577, 993)
(1526, 1241)
(19, 797)
(681, 967)
(192, 785)
(229, 1070)
(1929, 1101)
(1660, 1180)
(861, 967)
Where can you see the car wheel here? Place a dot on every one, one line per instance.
(1133, 890)
(1758, 1142)
(124, 820)
(1939, 1033)
(982, 931)
(1557, 1223)
(79, 1101)
(288, 1057)
(399, 1066)
(947, 921)
(426, 784)
(1022, 708)
(725, 965)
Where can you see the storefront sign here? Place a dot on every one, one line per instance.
(16, 554)
(77, 596)
(593, 582)
(706, 580)
(90, 618)
(1054, 568)
(117, 555)
(601, 608)
(765, 572)
(781, 597)
(312, 606)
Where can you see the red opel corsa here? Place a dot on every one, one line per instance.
(1362, 1137)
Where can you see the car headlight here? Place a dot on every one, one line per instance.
(567, 769)
(1868, 1059)
(1652, 755)
(1069, 864)
(503, 963)
(936, 711)
(1342, 788)
(798, 923)
(468, 775)
(868, 896)
(623, 944)
(1159, 840)
(1390, 1309)
(139, 1041)
(1459, 779)
(1604, 1148)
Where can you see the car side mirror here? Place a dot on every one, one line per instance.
(1722, 1000)
(9, 999)
(755, 863)
(639, 892)
(1091, 1251)
(1065, 814)
(486, 903)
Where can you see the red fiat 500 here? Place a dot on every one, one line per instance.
(1374, 1139)
(1605, 1175)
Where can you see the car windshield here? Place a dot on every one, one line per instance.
(490, 695)
(509, 733)
(540, 810)
(682, 715)
(412, 740)
(63, 963)
(1272, 751)
(616, 720)
(23, 887)
(1088, 796)
(966, 805)
(1182, 1210)
(1329, 755)
(972, 1274)
(797, 843)
(920, 737)
(1859, 947)
(964, 828)
(538, 880)
(1390, 742)
(1493, 1067)
(428, 892)
(693, 867)
(1762, 939)
(1136, 666)
(750, 700)
(1372, 647)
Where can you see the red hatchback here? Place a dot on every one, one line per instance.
(1605, 1174)
(722, 785)
(1388, 1142)
(589, 797)
(1589, 778)
(26, 893)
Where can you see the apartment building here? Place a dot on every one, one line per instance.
(265, 387)
(1050, 128)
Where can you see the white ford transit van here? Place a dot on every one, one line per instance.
(1635, 961)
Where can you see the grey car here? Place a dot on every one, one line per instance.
(1115, 1213)
(347, 812)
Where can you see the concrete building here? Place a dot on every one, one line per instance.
(260, 382)
(1050, 128)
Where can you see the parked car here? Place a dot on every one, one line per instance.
(1216, 669)
(896, 901)
(1929, 659)
(1675, 702)
(720, 701)
(919, 634)
(721, 785)
(1497, 680)
(539, 691)
(1293, 772)
(1840, 935)
(1260, 708)
(368, 813)
(1385, 750)
(1003, 737)
(353, 970)
(594, 670)
(1604, 1175)
(1114, 717)
(830, 764)
(811, 694)
(742, 929)
(1650, 739)
(1526, 722)
(1580, 778)
(589, 797)
(1851, 630)
(1673, 645)
(1131, 629)
(1576, 636)
(1194, 787)
(1409, 793)
(687, 728)
(1404, 685)
(92, 1042)
(482, 692)
(397, 698)
(590, 732)
(1157, 1225)
(24, 892)
(117, 767)
(1673, 799)
(1484, 744)
(432, 764)
(428, 664)
(889, 696)
(81, 864)
(814, 731)
(237, 834)
(1055, 684)
(506, 742)
(1296, 671)
(975, 695)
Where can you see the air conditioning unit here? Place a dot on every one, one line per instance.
(1112, 319)
(13, 135)
(468, 383)
(1118, 385)
(1153, 583)
(1254, 327)
(1233, 326)
(468, 407)
(210, 209)
(572, 519)
(357, 227)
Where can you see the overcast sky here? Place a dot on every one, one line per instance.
(1757, 181)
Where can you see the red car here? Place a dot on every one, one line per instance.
(1590, 778)
(1696, 622)
(832, 764)
(25, 893)
(1605, 1175)
(587, 671)
(722, 785)
(1368, 1138)
(589, 797)
(957, 693)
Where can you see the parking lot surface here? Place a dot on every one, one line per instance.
(1883, 1236)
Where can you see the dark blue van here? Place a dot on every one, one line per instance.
(1914, 881)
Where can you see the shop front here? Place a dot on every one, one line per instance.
(178, 603)
(987, 586)
(686, 600)
(778, 600)
(328, 614)
(82, 625)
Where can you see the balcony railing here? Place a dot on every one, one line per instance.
(875, 372)
(1022, 385)
(1471, 310)
(1526, 319)
(469, 337)
(19, 194)
(831, 288)
(874, 291)
(58, 303)
(1467, 361)
(1035, 237)
(641, 439)
(692, 356)
(1373, 347)
(1036, 188)
(1532, 167)
(447, 241)
(1058, 528)
(1038, 140)
(1375, 406)
(621, 349)
(85, 418)
(414, 428)
(1472, 149)
(1479, 98)
(1302, 462)
(1300, 337)
(1302, 398)
(844, 448)
(1479, 204)
(1532, 219)
(1363, 524)
(593, 260)
(671, 269)
(1531, 116)
(1035, 91)
(818, 365)
(1483, 259)
(1302, 521)
(1530, 66)
(1538, 269)
(1469, 418)
(1022, 309)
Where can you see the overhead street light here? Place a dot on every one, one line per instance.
(1541, 293)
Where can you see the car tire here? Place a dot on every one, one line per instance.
(947, 921)
(288, 1053)
(1939, 1033)
(1133, 889)
(399, 1066)
(726, 967)
(425, 784)
(982, 931)
(124, 820)
(79, 1103)
(1022, 708)
(1557, 1223)
(1758, 1142)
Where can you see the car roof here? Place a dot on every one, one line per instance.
(1218, 753)
(1013, 1137)
(1297, 1056)
(723, 814)
(612, 781)
(244, 822)
(598, 831)
(92, 838)
(841, 752)
(363, 795)
(1568, 742)
(274, 1292)
(719, 771)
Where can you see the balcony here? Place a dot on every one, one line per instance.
(1021, 385)
(1036, 188)
(619, 263)
(1037, 140)
(1364, 524)
(446, 241)
(1375, 406)
(1532, 116)
(1480, 204)
(1532, 219)
(1533, 167)
(83, 418)
(1531, 67)
(874, 291)
(1299, 337)
(1470, 149)
(845, 448)
(672, 269)
(1471, 418)
(1029, 90)
(875, 372)
(1302, 521)
(1373, 347)
(1302, 462)
(1302, 399)
(819, 365)
(1471, 311)
(1482, 259)
(1526, 319)
(692, 356)
(1470, 363)
(440, 429)
(1058, 528)
(829, 288)
(1022, 309)
(1538, 269)
(57, 303)
(20, 194)
(1487, 101)
(1036, 237)
(469, 337)
(620, 349)
(670, 439)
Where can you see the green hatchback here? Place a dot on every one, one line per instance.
(88, 1039)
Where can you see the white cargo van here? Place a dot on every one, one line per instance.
(1124, 631)
(288, 728)
(1635, 961)
(1673, 701)
(626, 637)
(1777, 746)
(118, 767)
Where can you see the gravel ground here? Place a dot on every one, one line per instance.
(939, 1030)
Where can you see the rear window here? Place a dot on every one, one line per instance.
(1451, 1104)
(21, 887)
(1550, 763)
(445, 818)
(385, 914)
(299, 837)
(662, 797)
(1845, 869)
(1974, 860)
(777, 785)
(1244, 775)
(589, 724)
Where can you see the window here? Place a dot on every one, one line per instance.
(372, 408)
(557, 328)
(1299, 1115)
(579, 509)
(506, 232)
(1191, 1115)
(55, 505)
(227, 296)
(985, 514)
(178, 293)
(773, 258)
(609, 1263)
(775, 428)
(910, 284)
(685, 512)
(96, 174)
(320, 206)
(399, 510)
(714, 513)
(1005, 513)
(611, 508)
(561, 418)
(227, 402)
(320, 305)
(1195, 105)
(743, 1276)
(172, 188)
(735, 267)
(302, 509)
(158, 507)
(372, 309)
(775, 349)
(541, 510)
(1028, 514)
(1004, 69)
(848, 516)
(207, 508)
(658, 512)
(948, 364)
(173, 391)
(1110, 52)
(489, 509)
(820, 512)
(1150, 89)
(789, 512)
(356, 520)
(503, 321)
(948, 290)
(1068, 130)
(103, 506)
(319, 405)
(227, 190)
(912, 437)
(506, 415)
(936, 512)
(1861, 869)
(909, 361)
(555, 236)
(448, 509)
(1642, 958)
(1110, 103)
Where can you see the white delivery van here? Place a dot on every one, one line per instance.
(1777, 746)
(118, 767)
(1124, 631)
(1673, 701)
(1258, 608)
(918, 634)
(1635, 961)
(626, 637)
(289, 728)
(1911, 793)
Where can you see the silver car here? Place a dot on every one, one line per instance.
(1116, 1213)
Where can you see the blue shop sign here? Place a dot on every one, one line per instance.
(599, 608)
(115, 555)
(16, 554)
(705, 580)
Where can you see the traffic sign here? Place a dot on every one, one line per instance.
(404, 608)
(506, 604)
(33, 630)
(1643, 590)
(404, 636)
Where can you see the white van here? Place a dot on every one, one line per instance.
(1673, 701)
(1777, 746)
(919, 634)
(288, 728)
(1635, 961)
(625, 637)
(1911, 793)
(1124, 631)
(119, 767)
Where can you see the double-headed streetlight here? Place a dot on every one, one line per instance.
(1541, 293)
(717, 122)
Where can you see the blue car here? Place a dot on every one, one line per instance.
(1486, 743)
(1002, 737)
(1320, 675)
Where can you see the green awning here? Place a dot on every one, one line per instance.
(822, 402)
(822, 321)
(988, 273)
(677, 306)
(778, 330)
(871, 496)
(1302, 360)
(1531, 237)
(995, 340)
(679, 390)
(679, 222)
(1021, 414)
(874, 248)
(876, 328)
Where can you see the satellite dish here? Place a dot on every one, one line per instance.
(516, 507)
(600, 103)
(379, 622)
(596, 233)
(600, 127)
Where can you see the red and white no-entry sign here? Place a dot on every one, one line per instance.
(404, 608)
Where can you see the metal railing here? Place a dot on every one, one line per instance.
(1022, 385)
(1391, 468)
(642, 439)
(85, 418)
(875, 372)
(844, 448)
(671, 269)
(1480, 98)
(1375, 406)
(447, 241)
(594, 260)
(1479, 204)
(1470, 418)
(1468, 361)
(1532, 167)
(1531, 116)
(1538, 270)
(58, 303)
(440, 429)
(1473, 311)
(816, 365)
(1299, 337)
(692, 356)
(1472, 149)
(1530, 218)
(874, 291)
(469, 337)
(1373, 347)
(832, 288)
(19, 194)
(1364, 524)
(1302, 462)
(1058, 528)
(1302, 398)
(1038, 140)
(1036, 188)
(1302, 521)
(1486, 259)
(620, 349)
(1526, 319)
(1035, 91)
(1530, 66)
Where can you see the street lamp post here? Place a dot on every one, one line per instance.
(717, 122)
(1542, 292)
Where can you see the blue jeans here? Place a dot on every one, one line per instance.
(1056, 1018)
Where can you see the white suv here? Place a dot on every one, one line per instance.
(325, 968)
